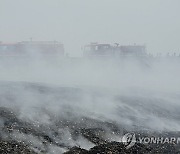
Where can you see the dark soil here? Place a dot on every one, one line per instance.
(93, 130)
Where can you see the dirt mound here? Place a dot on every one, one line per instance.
(96, 134)
(42, 119)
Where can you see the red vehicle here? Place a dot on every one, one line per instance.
(107, 50)
(43, 48)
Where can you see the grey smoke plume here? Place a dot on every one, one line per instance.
(134, 94)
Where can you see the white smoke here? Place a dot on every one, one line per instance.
(134, 93)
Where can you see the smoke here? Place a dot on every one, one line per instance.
(135, 82)
(137, 94)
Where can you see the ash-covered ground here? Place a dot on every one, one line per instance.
(38, 118)
(87, 109)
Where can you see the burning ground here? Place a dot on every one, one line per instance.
(87, 106)
(41, 118)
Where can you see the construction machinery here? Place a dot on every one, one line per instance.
(108, 50)
(26, 48)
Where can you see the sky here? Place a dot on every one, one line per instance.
(76, 23)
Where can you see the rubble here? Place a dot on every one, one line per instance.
(13, 147)
(23, 136)
(94, 135)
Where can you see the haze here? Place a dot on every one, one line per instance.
(75, 23)
(54, 98)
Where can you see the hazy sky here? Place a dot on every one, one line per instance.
(77, 22)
